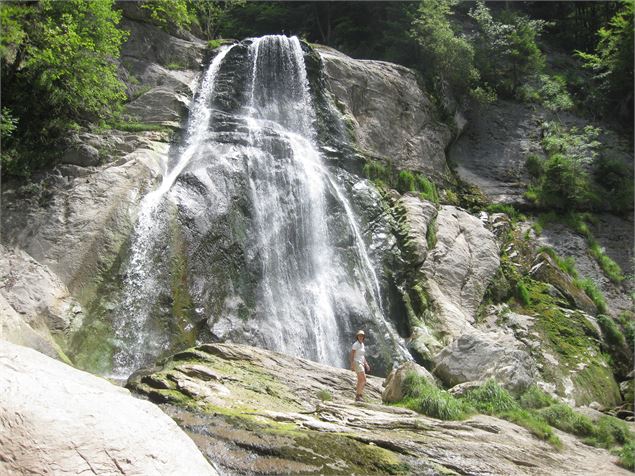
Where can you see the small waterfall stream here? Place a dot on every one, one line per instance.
(305, 277)
(138, 342)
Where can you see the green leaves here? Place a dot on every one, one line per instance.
(444, 52)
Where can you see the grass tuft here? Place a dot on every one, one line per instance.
(423, 397)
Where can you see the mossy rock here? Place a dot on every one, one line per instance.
(574, 341)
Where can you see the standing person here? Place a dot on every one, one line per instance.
(359, 364)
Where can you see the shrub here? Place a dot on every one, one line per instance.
(522, 294)
(616, 177)
(509, 210)
(564, 418)
(491, 399)
(325, 395)
(406, 181)
(535, 166)
(627, 455)
(375, 169)
(610, 267)
(534, 423)
(591, 290)
(611, 332)
(428, 189)
(535, 398)
(609, 432)
(423, 397)
(431, 234)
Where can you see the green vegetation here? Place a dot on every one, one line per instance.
(534, 409)
(56, 61)
(578, 222)
(564, 180)
(534, 398)
(446, 54)
(591, 290)
(506, 48)
(612, 63)
(169, 13)
(509, 210)
(522, 293)
(425, 397)
(385, 175)
(325, 395)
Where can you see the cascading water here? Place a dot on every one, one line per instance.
(139, 338)
(275, 256)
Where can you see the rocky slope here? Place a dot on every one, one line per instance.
(58, 420)
(253, 411)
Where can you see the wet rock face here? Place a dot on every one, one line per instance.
(250, 410)
(56, 419)
(389, 115)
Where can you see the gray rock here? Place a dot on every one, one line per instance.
(80, 231)
(465, 387)
(459, 268)
(567, 243)
(83, 155)
(37, 295)
(479, 356)
(56, 419)
(390, 116)
(393, 385)
(159, 105)
(419, 216)
(492, 151)
(545, 269)
(272, 388)
(15, 329)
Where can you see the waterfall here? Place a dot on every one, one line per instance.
(139, 340)
(275, 254)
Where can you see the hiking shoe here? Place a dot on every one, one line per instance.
(358, 398)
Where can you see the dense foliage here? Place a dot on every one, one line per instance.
(59, 58)
(57, 70)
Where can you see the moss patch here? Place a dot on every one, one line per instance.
(574, 340)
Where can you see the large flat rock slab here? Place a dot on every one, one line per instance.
(58, 420)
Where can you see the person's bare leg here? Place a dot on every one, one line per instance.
(361, 382)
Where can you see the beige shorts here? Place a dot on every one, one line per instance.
(359, 368)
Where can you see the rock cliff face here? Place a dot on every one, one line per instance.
(389, 115)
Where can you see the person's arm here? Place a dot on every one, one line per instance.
(352, 359)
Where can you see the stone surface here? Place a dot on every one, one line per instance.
(272, 421)
(546, 269)
(37, 294)
(479, 356)
(80, 231)
(160, 71)
(393, 385)
(459, 268)
(567, 243)
(58, 420)
(390, 116)
(13, 328)
(492, 151)
(81, 154)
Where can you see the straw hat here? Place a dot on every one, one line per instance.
(360, 333)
